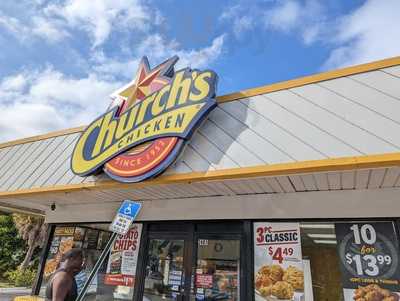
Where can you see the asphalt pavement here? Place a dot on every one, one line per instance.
(8, 294)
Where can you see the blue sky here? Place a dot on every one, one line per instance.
(60, 60)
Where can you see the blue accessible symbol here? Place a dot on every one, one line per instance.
(130, 208)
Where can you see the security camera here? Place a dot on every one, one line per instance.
(53, 207)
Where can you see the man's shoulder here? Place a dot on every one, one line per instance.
(62, 276)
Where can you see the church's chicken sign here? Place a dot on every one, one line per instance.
(147, 124)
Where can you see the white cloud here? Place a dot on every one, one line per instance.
(13, 83)
(28, 119)
(303, 18)
(158, 49)
(242, 20)
(38, 26)
(290, 17)
(9, 23)
(110, 68)
(369, 33)
(203, 57)
(46, 100)
(284, 17)
(50, 30)
(242, 25)
(40, 101)
(52, 86)
(100, 17)
(312, 33)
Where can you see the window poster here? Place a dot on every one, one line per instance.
(91, 239)
(79, 234)
(62, 242)
(369, 261)
(279, 272)
(121, 268)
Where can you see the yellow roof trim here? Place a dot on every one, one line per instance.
(251, 92)
(282, 169)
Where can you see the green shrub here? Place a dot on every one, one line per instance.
(12, 250)
(21, 277)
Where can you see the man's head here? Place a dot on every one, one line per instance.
(73, 260)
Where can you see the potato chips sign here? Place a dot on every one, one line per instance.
(147, 124)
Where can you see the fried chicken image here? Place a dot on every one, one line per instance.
(276, 273)
(295, 277)
(262, 280)
(392, 297)
(374, 292)
(265, 270)
(266, 291)
(282, 290)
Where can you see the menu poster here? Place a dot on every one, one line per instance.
(79, 234)
(121, 268)
(278, 262)
(369, 260)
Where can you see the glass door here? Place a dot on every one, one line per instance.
(217, 271)
(165, 268)
(202, 262)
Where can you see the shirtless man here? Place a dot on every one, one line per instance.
(62, 285)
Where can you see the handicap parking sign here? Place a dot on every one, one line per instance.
(125, 216)
(130, 208)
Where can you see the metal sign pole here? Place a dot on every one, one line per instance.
(97, 266)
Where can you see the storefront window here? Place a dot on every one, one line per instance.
(91, 240)
(350, 261)
(115, 279)
(217, 271)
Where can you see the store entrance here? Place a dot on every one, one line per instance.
(167, 259)
(198, 262)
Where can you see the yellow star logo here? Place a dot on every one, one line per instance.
(140, 87)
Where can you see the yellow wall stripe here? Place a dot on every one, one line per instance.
(251, 92)
(325, 165)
